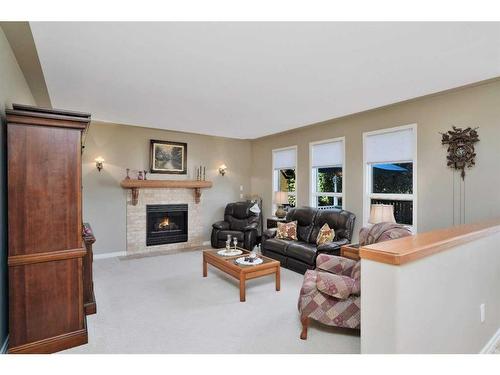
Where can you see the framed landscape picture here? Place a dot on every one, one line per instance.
(168, 157)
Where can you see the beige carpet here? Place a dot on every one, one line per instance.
(162, 304)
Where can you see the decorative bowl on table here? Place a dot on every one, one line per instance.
(248, 261)
(229, 253)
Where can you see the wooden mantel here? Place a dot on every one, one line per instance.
(135, 185)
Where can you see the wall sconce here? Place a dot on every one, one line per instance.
(98, 163)
(222, 169)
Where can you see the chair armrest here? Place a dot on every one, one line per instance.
(337, 286)
(331, 247)
(222, 225)
(335, 264)
(252, 226)
(270, 233)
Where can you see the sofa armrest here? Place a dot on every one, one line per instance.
(249, 227)
(269, 233)
(222, 225)
(331, 247)
(335, 264)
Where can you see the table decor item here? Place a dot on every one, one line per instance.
(247, 261)
(229, 253)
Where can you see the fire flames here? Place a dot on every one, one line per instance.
(164, 223)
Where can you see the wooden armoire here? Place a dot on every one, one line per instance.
(46, 248)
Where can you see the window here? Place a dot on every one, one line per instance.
(284, 174)
(327, 173)
(390, 172)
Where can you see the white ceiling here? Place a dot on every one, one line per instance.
(247, 80)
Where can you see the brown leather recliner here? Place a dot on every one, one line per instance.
(300, 255)
(238, 222)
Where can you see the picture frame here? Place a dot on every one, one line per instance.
(168, 157)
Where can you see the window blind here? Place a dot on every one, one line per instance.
(392, 146)
(285, 158)
(327, 154)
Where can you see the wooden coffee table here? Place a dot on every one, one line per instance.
(241, 272)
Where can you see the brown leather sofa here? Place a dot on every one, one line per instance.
(300, 255)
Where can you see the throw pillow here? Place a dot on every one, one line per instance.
(325, 235)
(287, 231)
(334, 285)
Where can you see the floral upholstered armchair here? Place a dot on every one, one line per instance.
(330, 294)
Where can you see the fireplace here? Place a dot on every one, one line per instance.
(166, 223)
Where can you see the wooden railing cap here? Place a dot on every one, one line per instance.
(421, 245)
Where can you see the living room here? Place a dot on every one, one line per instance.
(233, 182)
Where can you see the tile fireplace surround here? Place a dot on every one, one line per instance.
(136, 219)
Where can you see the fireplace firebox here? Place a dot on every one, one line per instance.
(166, 223)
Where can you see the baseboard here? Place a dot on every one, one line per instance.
(5, 346)
(54, 344)
(110, 255)
(492, 343)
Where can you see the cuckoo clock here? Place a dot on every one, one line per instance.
(461, 151)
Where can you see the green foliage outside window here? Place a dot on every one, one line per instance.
(329, 180)
(394, 178)
(287, 183)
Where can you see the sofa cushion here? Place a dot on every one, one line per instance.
(233, 233)
(336, 264)
(340, 220)
(325, 235)
(302, 251)
(305, 221)
(287, 231)
(337, 286)
(277, 245)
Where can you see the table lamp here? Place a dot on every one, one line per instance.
(381, 213)
(280, 198)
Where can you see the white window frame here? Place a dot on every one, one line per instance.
(274, 175)
(367, 177)
(313, 173)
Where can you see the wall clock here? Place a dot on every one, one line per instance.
(461, 152)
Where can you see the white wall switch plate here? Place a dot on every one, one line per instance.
(482, 308)
(241, 196)
(241, 187)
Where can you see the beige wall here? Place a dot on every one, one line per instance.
(13, 89)
(23, 46)
(472, 106)
(13, 86)
(104, 201)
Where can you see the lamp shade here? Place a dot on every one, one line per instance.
(255, 208)
(381, 213)
(281, 197)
